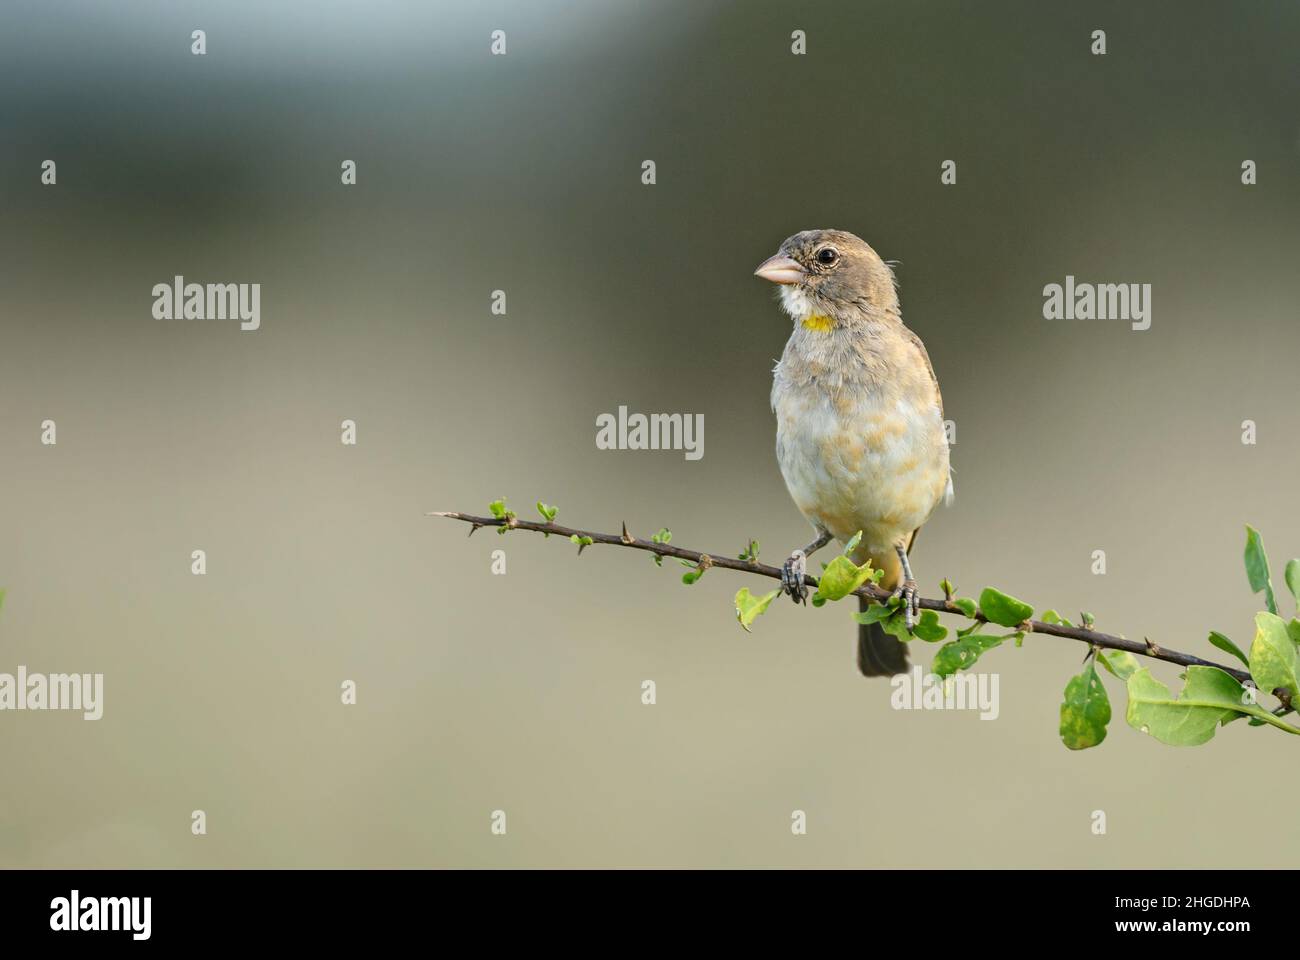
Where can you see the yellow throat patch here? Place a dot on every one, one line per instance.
(818, 323)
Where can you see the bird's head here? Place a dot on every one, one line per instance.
(831, 274)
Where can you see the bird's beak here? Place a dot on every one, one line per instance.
(780, 269)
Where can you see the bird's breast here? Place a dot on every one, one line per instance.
(858, 457)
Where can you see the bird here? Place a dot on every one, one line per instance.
(860, 436)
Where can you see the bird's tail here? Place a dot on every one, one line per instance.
(879, 654)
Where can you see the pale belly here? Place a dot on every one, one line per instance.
(878, 467)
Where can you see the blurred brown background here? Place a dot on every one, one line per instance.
(522, 173)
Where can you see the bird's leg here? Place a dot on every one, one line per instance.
(907, 590)
(794, 569)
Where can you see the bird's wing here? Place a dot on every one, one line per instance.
(938, 395)
(911, 335)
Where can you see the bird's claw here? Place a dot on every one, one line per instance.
(792, 574)
(911, 603)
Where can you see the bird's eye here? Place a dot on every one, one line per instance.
(827, 255)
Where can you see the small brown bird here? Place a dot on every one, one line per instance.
(859, 419)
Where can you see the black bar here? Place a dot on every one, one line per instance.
(206, 908)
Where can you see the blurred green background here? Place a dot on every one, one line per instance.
(522, 173)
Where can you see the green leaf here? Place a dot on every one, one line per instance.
(1209, 697)
(1085, 710)
(1003, 610)
(875, 613)
(894, 622)
(1120, 663)
(750, 553)
(966, 605)
(963, 653)
(852, 544)
(928, 627)
(498, 508)
(663, 536)
(582, 542)
(694, 574)
(1273, 655)
(890, 617)
(1257, 568)
(896, 626)
(1227, 646)
(840, 578)
(1051, 616)
(947, 586)
(1293, 580)
(1293, 629)
(548, 512)
(748, 606)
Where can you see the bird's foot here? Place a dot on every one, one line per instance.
(911, 603)
(792, 574)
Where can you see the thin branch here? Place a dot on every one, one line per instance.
(869, 590)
